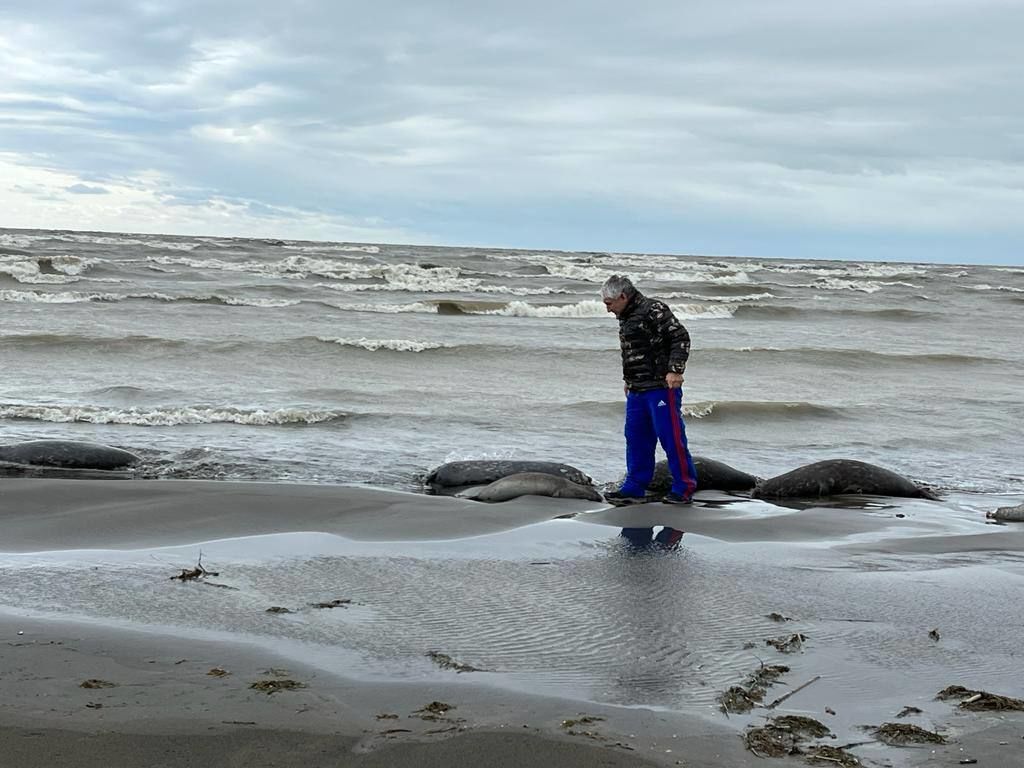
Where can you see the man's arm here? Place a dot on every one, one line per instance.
(677, 338)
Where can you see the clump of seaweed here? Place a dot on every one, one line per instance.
(338, 603)
(902, 734)
(906, 711)
(784, 735)
(278, 609)
(435, 710)
(274, 686)
(94, 683)
(582, 720)
(787, 643)
(743, 698)
(444, 661)
(980, 701)
(825, 754)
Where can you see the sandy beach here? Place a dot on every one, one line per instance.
(588, 650)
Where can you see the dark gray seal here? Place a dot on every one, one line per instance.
(1008, 514)
(837, 477)
(458, 474)
(532, 484)
(711, 476)
(67, 454)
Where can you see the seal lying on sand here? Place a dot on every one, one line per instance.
(1008, 514)
(711, 476)
(532, 484)
(455, 475)
(839, 476)
(67, 454)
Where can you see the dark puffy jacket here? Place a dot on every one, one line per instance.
(653, 342)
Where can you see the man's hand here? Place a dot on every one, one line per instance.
(674, 380)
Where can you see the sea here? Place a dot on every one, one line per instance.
(327, 362)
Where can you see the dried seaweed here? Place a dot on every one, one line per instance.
(274, 686)
(445, 661)
(787, 643)
(902, 734)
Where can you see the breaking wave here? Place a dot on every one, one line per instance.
(393, 345)
(581, 310)
(76, 297)
(720, 410)
(168, 417)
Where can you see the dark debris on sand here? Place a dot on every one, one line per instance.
(787, 643)
(93, 683)
(743, 698)
(904, 734)
(980, 701)
(444, 661)
(338, 603)
(783, 735)
(435, 710)
(274, 686)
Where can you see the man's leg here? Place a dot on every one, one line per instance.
(641, 440)
(668, 421)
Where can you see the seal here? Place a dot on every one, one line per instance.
(67, 454)
(711, 476)
(839, 476)
(1008, 514)
(456, 475)
(532, 484)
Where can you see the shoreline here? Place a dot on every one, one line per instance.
(165, 708)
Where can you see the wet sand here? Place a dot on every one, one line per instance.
(84, 580)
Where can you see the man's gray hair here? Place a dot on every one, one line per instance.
(617, 285)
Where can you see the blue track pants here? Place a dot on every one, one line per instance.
(652, 417)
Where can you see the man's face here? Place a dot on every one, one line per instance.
(616, 305)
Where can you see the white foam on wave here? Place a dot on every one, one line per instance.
(57, 297)
(848, 271)
(167, 417)
(30, 269)
(76, 297)
(336, 247)
(393, 345)
(589, 308)
(390, 309)
(1003, 288)
(863, 286)
(717, 299)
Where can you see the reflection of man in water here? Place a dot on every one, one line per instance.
(643, 538)
(655, 348)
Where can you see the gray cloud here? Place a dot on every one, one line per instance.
(905, 116)
(85, 189)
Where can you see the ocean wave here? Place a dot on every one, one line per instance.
(849, 271)
(836, 284)
(784, 311)
(329, 247)
(589, 308)
(168, 417)
(81, 340)
(56, 297)
(720, 410)
(45, 269)
(719, 299)
(76, 297)
(1001, 288)
(393, 345)
(820, 355)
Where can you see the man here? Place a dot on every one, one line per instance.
(655, 348)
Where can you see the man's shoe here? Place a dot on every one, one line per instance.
(620, 499)
(675, 498)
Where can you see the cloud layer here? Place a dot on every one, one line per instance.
(793, 128)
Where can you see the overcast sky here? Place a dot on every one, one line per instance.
(878, 129)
